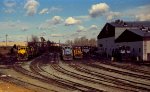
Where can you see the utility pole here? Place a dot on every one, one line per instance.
(6, 39)
(27, 41)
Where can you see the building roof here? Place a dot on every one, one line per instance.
(120, 23)
(141, 28)
(128, 36)
(131, 35)
(141, 32)
(107, 31)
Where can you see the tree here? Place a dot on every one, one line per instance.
(69, 42)
(92, 42)
(34, 39)
(83, 41)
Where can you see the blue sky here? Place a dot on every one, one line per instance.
(65, 19)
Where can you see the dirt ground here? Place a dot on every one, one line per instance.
(8, 87)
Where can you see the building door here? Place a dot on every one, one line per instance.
(148, 56)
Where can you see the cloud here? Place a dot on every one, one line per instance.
(9, 11)
(71, 21)
(48, 24)
(81, 29)
(83, 18)
(18, 37)
(142, 13)
(143, 17)
(93, 27)
(43, 26)
(9, 6)
(98, 10)
(56, 20)
(43, 33)
(31, 7)
(56, 35)
(10, 3)
(11, 25)
(112, 15)
(44, 11)
(74, 34)
(55, 9)
(24, 28)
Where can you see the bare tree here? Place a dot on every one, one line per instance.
(83, 41)
(92, 42)
(69, 42)
(34, 39)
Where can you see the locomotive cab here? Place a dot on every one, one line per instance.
(22, 53)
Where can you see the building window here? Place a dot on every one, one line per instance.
(139, 50)
(105, 49)
(133, 50)
(100, 45)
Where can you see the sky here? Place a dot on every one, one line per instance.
(62, 20)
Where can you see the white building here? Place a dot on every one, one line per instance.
(135, 35)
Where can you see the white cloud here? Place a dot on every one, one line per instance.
(112, 15)
(18, 37)
(43, 33)
(140, 13)
(9, 11)
(43, 26)
(31, 7)
(9, 6)
(44, 11)
(11, 25)
(24, 28)
(81, 29)
(57, 20)
(50, 23)
(83, 18)
(71, 21)
(56, 35)
(55, 9)
(143, 17)
(93, 27)
(98, 10)
(10, 3)
(74, 34)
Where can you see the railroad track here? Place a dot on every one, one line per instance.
(126, 67)
(142, 76)
(111, 79)
(68, 83)
(23, 83)
(85, 78)
(134, 84)
(36, 75)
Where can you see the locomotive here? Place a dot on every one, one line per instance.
(77, 52)
(22, 53)
(67, 53)
(30, 51)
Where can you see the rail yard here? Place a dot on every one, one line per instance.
(50, 73)
(74, 45)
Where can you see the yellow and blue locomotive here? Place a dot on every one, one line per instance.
(22, 53)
